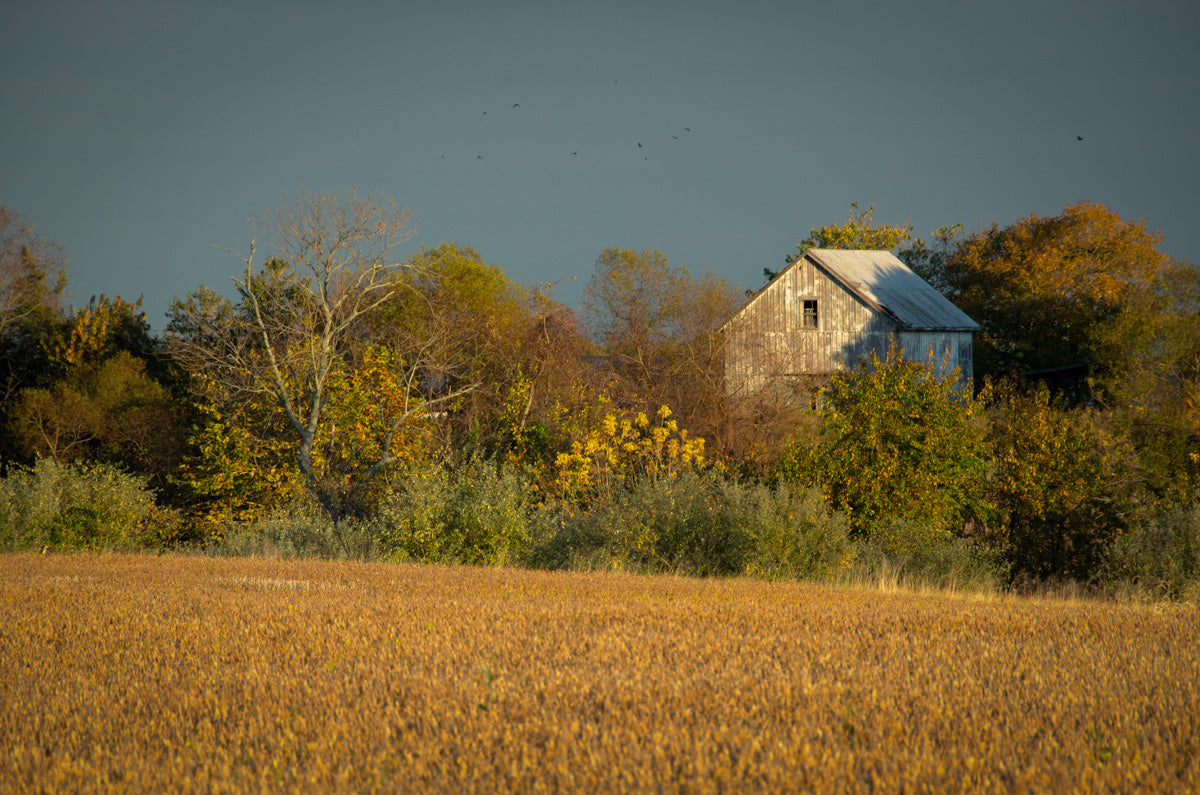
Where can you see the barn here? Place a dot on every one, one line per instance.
(832, 307)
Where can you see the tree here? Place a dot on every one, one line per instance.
(32, 274)
(95, 386)
(859, 232)
(1085, 302)
(457, 323)
(897, 442)
(1064, 486)
(634, 305)
(109, 411)
(32, 281)
(298, 313)
(100, 330)
(659, 328)
(1083, 290)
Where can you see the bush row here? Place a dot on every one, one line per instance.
(481, 513)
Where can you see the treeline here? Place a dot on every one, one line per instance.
(346, 402)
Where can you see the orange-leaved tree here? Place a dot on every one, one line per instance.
(1080, 289)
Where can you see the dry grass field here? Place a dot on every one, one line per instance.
(145, 674)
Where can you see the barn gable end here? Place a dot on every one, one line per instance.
(830, 308)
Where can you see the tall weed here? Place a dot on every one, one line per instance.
(905, 552)
(300, 531)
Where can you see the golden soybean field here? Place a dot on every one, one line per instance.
(149, 674)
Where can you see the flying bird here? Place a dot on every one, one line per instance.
(516, 104)
(639, 144)
(1078, 137)
(575, 152)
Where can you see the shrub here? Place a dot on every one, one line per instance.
(475, 513)
(685, 524)
(300, 530)
(793, 533)
(1162, 554)
(701, 524)
(53, 506)
(564, 538)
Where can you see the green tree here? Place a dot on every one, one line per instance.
(458, 322)
(896, 442)
(859, 232)
(100, 330)
(1064, 486)
(109, 411)
(101, 392)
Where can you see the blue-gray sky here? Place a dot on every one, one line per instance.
(141, 134)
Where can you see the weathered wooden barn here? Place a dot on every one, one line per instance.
(832, 307)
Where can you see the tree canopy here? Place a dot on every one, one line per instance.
(1080, 289)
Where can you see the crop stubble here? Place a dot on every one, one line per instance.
(195, 674)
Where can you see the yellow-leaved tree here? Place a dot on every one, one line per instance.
(298, 322)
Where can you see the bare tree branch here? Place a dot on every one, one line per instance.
(333, 263)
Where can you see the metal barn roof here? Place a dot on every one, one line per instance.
(887, 284)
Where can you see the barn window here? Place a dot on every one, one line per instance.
(809, 317)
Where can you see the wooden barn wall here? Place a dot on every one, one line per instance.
(948, 349)
(768, 340)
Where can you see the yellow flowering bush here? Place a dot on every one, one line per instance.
(623, 446)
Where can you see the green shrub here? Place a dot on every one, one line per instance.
(301, 530)
(685, 524)
(563, 537)
(52, 506)
(473, 513)
(1162, 555)
(701, 524)
(793, 534)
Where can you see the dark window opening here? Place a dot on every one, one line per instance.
(809, 316)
